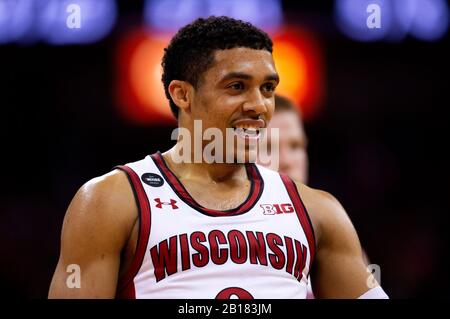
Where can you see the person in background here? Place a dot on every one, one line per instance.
(293, 142)
(293, 147)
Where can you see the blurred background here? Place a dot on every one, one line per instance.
(80, 92)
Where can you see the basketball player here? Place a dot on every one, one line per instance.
(161, 228)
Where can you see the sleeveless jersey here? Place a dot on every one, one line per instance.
(262, 249)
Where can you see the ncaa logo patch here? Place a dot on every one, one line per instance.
(152, 179)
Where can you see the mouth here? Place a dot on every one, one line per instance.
(246, 133)
(248, 129)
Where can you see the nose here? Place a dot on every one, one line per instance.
(256, 102)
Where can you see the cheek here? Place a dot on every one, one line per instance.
(203, 99)
(226, 106)
(204, 108)
(270, 109)
(300, 154)
(229, 102)
(215, 114)
(293, 154)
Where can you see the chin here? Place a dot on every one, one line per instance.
(248, 155)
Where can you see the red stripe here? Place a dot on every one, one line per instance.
(181, 191)
(257, 187)
(302, 215)
(128, 292)
(186, 197)
(125, 286)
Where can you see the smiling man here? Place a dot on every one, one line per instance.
(165, 228)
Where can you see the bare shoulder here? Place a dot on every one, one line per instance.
(103, 205)
(112, 191)
(96, 228)
(326, 212)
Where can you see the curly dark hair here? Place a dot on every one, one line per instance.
(190, 52)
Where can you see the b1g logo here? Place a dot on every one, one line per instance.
(274, 209)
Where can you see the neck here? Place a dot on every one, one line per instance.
(214, 172)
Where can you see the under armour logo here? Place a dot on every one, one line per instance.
(159, 203)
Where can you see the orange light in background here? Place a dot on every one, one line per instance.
(145, 75)
(141, 94)
(291, 65)
(298, 60)
(140, 91)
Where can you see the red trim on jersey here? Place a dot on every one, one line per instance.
(302, 215)
(257, 186)
(125, 286)
(128, 292)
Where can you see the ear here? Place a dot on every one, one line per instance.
(180, 91)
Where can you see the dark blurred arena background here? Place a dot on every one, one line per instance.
(76, 102)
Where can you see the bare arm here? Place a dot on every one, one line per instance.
(339, 269)
(96, 227)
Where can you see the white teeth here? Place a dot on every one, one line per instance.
(251, 132)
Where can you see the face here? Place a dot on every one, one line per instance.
(293, 155)
(236, 92)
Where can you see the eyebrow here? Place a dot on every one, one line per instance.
(245, 76)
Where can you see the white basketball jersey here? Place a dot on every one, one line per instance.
(261, 249)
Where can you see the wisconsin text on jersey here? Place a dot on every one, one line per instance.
(253, 246)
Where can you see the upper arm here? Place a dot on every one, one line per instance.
(96, 227)
(339, 270)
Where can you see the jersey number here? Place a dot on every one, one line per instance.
(234, 291)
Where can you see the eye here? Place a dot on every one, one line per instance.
(238, 86)
(269, 87)
(298, 145)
